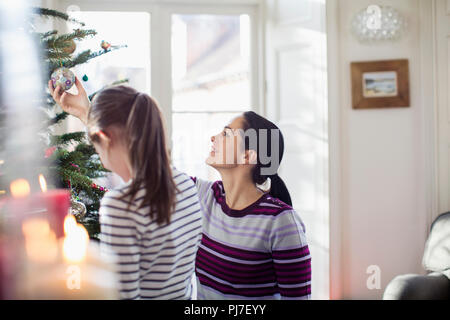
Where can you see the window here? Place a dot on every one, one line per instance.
(211, 83)
(131, 62)
(203, 65)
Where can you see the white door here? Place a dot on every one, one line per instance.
(443, 69)
(297, 100)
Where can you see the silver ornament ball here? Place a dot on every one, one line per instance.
(63, 77)
(78, 209)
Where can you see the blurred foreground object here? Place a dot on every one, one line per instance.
(39, 258)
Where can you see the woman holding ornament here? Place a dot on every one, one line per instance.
(151, 223)
(253, 244)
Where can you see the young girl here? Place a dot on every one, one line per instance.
(253, 244)
(153, 221)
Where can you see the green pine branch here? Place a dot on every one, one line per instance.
(44, 35)
(84, 57)
(57, 56)
(81, 183)
(56, 119)
(81, 58)
(73, 157)
(87, 149)
(67, 138)
(77, 180)
(85, 158)
(47, 13)
(62, 41)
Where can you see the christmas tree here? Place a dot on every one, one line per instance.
(72, 160)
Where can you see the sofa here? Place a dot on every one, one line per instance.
(435, 285)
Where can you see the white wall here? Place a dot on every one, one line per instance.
(383, 205)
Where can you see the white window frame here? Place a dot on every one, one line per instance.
(160, 40)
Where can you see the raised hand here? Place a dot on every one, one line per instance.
(76, 105)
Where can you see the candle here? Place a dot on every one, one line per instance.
(78, 270)
(49, 254)
(20, 188)
(40, 241)
(57, 204)
(54, 203)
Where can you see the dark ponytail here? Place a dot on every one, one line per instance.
(141, 120)
(279, 190)
(277, 187)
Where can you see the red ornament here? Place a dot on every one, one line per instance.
(105, 45)
(75, 166)
(100, 188)
(49, 152)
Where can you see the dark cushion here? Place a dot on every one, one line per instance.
(436, 256)
(434, 286)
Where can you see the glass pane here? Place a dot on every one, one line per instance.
(132, 62)
(210, 62)
(192, 141)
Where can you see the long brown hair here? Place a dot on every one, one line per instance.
(140, 117)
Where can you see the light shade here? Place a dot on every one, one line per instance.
(378, 23)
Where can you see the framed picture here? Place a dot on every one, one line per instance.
(380, 84)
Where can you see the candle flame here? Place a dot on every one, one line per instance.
(69, 224)
(76, 240)
(42, 183)
(20, 188)
(40, 241)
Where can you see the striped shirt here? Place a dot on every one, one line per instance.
(153, 261)
(259, 252)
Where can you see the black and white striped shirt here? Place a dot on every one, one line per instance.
(154, 262)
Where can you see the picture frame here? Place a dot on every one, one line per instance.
(380, 84)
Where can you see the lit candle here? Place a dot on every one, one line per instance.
(20, 188)
(52, 258)
(57, 204)
(40, 241)
(78, 270)
(53, 204)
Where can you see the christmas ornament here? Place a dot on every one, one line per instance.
(71, 47)
(63, 77)
(85, 78)
(105, 45)
(94, 186)
(77, 208)
(49, 152)
(75, 166)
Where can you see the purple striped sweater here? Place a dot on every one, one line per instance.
(259, 252)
